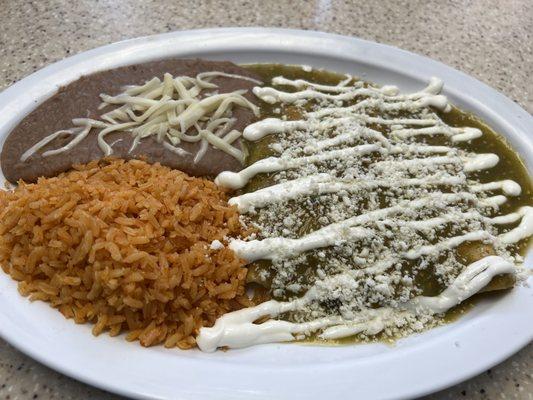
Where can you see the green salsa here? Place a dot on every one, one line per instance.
(510, 167)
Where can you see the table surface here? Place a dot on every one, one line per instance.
(491, 40)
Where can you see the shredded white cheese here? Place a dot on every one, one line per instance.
(173, 110)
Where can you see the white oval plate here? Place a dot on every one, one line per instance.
(415, 366)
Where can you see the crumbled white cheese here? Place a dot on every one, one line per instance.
(357, 273)
(216, 245)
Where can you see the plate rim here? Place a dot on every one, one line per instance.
(516, 118)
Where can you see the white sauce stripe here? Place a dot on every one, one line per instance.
(237, 180)
(456, 134)
(324, 184)
(523, 230)
(480, 162)
(404, 167)
(269, 126)
(237, 329)
(508, 187)
(474, 278)
(447, 244)
(278, 247)
(424, 98)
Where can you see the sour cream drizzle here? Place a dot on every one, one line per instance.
(237, 329)
(269, 126)
(325, 183)
(340, 232)
(237, 180)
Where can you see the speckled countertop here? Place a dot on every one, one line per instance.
(491, 40)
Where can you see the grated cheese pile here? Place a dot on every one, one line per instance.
(175, 109)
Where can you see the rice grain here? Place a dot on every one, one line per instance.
(125, 246)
